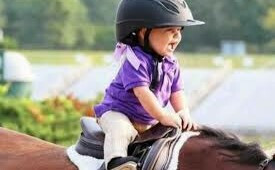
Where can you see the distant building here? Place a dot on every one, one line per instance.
(15, 70)
(233, 48)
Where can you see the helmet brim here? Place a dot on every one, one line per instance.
(179, 23)
(193, 23)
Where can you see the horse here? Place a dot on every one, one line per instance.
(212, 149)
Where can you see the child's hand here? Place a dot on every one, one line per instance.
(173, 120)
(188, 123)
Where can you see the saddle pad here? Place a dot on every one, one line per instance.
(89, 163)
(83, 162)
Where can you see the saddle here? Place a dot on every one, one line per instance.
(153, 148)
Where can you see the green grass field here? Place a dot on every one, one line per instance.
(59, 57)
(266, 142)
(96, 58)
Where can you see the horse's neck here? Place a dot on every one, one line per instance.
(199, 154)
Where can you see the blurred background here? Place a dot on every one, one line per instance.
(56, 60)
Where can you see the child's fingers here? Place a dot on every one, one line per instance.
(185, 123)
(189, 126)
(194, 126)
(179, 122)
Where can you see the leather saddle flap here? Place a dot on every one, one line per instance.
(156, 132)
(91, 139)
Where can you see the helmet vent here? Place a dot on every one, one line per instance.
(170, 5)
(183, 3)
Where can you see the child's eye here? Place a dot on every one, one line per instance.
(169, 30)
(174, 30)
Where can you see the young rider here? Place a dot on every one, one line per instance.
(148, 32)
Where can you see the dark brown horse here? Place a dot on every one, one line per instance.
(211, 150)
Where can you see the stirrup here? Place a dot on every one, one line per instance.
(131, 165)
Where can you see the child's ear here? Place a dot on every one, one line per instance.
(141, 34)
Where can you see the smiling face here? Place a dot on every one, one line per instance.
(163, 40)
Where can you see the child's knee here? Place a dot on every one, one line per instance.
(129, 134)
(121, 133)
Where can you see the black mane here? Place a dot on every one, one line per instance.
(244, 153)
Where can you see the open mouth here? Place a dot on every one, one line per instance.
(172, 46)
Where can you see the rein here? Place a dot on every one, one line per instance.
(264, 164)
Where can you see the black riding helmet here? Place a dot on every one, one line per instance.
(133, 15)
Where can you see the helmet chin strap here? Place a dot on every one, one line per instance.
(156, 60)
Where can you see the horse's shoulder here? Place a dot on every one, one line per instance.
(4, 131)
(38, 154)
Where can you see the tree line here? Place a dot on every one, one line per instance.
(89, 24)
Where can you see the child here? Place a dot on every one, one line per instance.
(148, 32)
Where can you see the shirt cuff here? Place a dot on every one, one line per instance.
(177, 89)
(136, 84)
